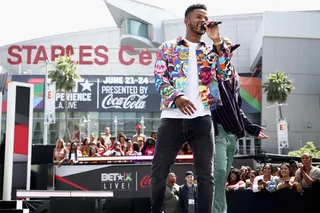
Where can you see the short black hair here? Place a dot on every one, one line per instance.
(194, 7)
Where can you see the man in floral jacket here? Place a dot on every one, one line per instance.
(186, 74)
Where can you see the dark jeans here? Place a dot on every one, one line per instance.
(172, 133)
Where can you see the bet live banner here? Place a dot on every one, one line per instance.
(101, 93)
(125, 180)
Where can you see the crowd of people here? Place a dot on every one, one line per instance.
(108, 145)
(289, 175)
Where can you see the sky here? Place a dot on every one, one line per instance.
(22, 20)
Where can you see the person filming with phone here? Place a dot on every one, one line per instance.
(285, 180)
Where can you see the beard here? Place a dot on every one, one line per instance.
(196, 29)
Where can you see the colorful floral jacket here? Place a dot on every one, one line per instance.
(171, 71)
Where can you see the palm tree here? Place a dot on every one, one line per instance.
(64, 76)
(278, 88)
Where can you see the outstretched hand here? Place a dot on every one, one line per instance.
(261, 134)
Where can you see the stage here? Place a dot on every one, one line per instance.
(286, 200)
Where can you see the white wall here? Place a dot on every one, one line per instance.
(285, 24)
(299, 59)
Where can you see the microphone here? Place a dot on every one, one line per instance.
(212, 24)
(234, 47)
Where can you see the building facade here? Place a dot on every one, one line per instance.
(116, 65)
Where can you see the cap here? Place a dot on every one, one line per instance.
(189, 173)
(139, 126)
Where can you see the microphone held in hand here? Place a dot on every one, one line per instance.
(234, 47)
(212, 24)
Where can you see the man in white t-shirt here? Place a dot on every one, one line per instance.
(107, 136)
(186, 73)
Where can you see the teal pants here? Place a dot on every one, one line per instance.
(225, 151)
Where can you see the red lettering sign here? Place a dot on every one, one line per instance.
(145, 182)
(120, 54)
(282, 127)
(14, 51)
(145, 55)
(88, 55)
(54, 52)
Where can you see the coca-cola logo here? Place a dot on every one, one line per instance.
(133, 101)
(145, 182)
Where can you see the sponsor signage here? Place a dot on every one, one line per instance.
(101, 93)
(116, 181)
(283, 138)
(130, 180)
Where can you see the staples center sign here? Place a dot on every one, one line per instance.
(88, 55)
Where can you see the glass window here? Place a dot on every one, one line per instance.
(155, 120)
(147, 122)
(130, 123)
(105, 120)
(119, 126)
(133, 27)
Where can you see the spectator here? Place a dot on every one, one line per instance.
(122, 138)
(154, 135)
(107, 136)
(243, 172)
(116, 151)
(93, 152)
(245, 175)
(285, 179)
(171, 195)
(234, 181)
(276, 172)
(136, 149)
(74, 153)
(249, 181)
(92, 138)
(148, 147)
(139, 135)
(186, 149)
(113, 140)
(188, 195)
(259, 171)
(306, 173)
(293, 167)
(85, 147)
(101, 146)
(262, 181)
(59, 153)
(129, 148)
(76, 137)
(140, 141)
